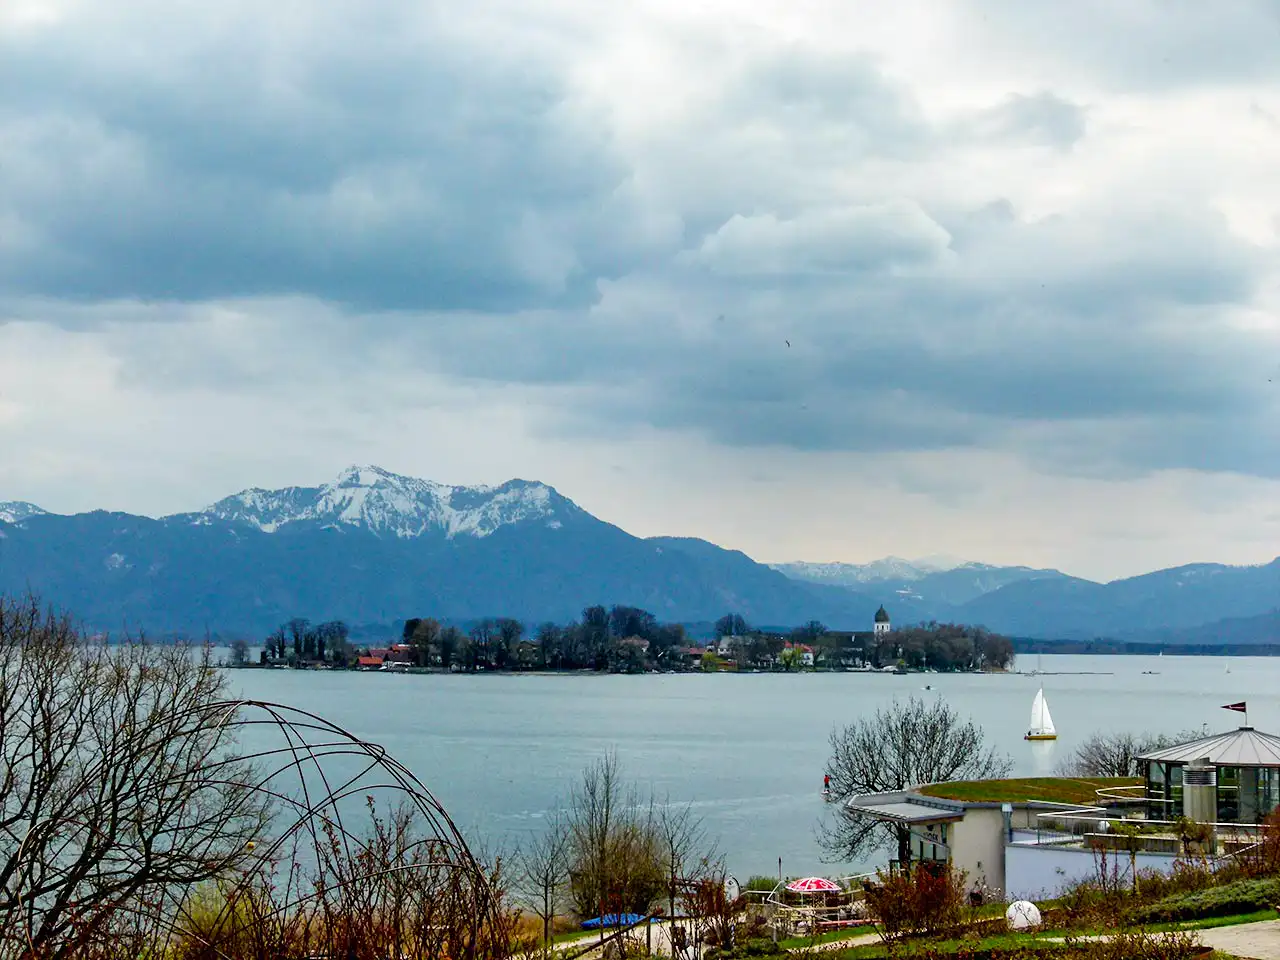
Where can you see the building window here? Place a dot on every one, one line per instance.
(1268, 791)
(1173, 809)
(1157, 791)
(1228, 794)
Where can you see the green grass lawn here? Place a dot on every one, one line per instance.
(1047, 940)
(1083, 792)
(573, 935)
(1205, 923)
(793, 943)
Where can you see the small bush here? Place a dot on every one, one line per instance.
(1263, 859)
(753, 947)
(1242, 896)
(1137, 945)
(1129, 945)
(761, 883)
(924, 901)
(1186, 877)
(1102, 897)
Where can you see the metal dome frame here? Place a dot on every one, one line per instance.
(296, 776)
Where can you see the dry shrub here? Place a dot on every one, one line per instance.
(235, 920)
(1122, 946)
(402, 894)
(1139, 945)
(390, 892)
(1186, 876)
(1107, 894)
(707, 902)
(1263, 858)
(921, 902)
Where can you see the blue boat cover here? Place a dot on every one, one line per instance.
(612, 920)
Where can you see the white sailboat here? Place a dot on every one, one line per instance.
(1041, 723)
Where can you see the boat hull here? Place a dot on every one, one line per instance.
(1041, 736)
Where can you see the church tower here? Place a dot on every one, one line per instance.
(882, 622)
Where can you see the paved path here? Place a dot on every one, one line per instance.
(1257, 941)
(857, 940)
(662, 941)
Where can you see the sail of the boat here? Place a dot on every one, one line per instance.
(1047, 721)
(1041, 722)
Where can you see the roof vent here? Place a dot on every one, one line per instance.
(1200, 773)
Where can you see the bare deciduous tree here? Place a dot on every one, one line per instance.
(118, 781)
(615, 862)
(544, 866)
(899, 747)
(706, 899)
(1106, 754)
(683, 844)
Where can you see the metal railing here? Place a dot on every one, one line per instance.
(1069, 826)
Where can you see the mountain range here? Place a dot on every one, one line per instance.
(372, 546)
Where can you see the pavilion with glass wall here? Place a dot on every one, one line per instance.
(1246, 770)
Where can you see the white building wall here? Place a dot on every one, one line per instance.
(977, 847)
(1038, 872)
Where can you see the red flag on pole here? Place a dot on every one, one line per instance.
(1237, 707)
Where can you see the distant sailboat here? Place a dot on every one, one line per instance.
(1041, 723)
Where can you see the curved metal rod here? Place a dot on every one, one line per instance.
(308, 744)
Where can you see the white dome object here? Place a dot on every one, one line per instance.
(1022, 915)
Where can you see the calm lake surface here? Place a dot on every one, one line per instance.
(748, 750)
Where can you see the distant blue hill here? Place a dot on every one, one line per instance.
(373, 547)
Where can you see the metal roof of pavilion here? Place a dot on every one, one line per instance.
(905, 808)
(1245, 747)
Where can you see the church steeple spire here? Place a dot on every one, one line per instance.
(882, 621)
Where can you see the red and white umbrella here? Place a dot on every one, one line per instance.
(813, 885)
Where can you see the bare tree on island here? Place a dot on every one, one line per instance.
(732, 625)
(901, 746)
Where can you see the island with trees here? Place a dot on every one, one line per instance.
(627, 639)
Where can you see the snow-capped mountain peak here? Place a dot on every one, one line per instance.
(852, 574)
(15, 511)
(390, 504)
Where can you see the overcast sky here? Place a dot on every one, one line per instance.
(1024, 255)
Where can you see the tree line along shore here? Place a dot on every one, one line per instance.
(625, 639)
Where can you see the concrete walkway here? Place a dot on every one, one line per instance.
(855, 940)
(662, 942)
(1256, 941)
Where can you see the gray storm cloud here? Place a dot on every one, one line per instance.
(792, 255)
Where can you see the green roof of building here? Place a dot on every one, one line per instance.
(1079, 791)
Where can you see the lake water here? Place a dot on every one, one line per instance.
(748, 750)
